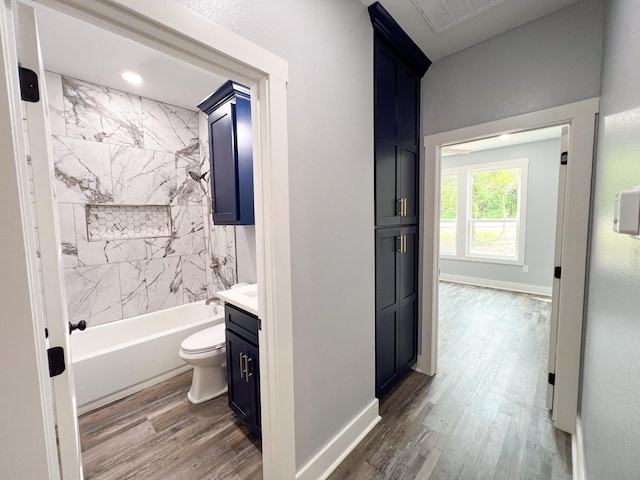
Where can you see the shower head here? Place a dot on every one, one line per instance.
(196, 177)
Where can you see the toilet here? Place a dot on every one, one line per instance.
(206, 351)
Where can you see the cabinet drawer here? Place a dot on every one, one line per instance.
(241, 322)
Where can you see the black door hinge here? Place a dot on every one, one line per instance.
(29, 91)
(56, 361)
(564, 157)
(552, 379)
(557, 272)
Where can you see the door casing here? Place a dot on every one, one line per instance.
(581, 117)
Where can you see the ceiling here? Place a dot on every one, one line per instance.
(81, 50)
(458, 24)
(490, 143)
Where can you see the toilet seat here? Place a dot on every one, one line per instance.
(207, 340)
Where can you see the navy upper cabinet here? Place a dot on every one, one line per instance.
(398, 67)
(230, 154)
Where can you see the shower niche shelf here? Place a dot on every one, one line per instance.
(126, 222)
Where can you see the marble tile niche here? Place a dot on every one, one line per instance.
(116, 148)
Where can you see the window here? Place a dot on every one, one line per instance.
(482, 211)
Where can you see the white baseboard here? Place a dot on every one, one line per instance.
(577, 453)
(334, 452)
(485, 282)
(100, 402)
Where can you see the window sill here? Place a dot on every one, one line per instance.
(501, 261)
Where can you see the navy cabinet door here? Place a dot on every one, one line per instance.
(239, 388)
(396, 304)
(387, 307)
(223, 164)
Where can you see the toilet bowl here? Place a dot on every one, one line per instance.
(206, 351)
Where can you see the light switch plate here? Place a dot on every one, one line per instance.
(626, 218)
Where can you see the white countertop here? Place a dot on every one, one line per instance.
(245, 297)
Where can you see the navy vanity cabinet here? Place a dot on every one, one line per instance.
(230, 154)
(243, 369)
(396, 304)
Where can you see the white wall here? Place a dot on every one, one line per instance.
(542, 192)
(610, 400)
(329, 47)
(548, 62)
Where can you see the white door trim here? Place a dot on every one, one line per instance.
(581, 117)
(178, 31)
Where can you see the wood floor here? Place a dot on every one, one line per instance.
(483, 415)
(158, 434)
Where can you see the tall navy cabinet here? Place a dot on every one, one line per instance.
(399, 64)
(230, 154)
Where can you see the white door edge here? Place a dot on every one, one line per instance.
(580, 115)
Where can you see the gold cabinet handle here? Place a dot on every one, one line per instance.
(405, 243)
(399, 207)
(400, 244)
(404, 207)
(247, 372)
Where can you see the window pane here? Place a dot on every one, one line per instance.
(497, 238)
(448, 237)
(494, 194)
(448, 214)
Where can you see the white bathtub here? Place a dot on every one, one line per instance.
(113, 360)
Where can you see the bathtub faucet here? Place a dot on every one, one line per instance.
(210, 300)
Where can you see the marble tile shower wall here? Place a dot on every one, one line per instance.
(116, 148)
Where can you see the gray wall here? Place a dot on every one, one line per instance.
(611, 372)
(329, 47)
(542, 192)
(551, 61)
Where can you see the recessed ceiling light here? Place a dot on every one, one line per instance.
(504, 136)
(132, 77)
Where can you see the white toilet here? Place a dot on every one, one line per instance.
(206, 351)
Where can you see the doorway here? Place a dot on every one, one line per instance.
(210, 47)
(580, 116)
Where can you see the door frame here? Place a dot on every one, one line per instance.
(581, 118)
(178, 31)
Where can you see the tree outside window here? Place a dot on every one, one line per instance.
(483, 219)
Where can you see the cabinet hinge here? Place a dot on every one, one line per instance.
(564, 156)
(56, 361)
(557, 272)
(29, 91)
(552, 379)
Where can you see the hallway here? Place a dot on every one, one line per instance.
(483, 416)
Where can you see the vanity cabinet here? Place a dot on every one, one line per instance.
(230, 154)
(243, 368)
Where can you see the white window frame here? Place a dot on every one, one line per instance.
(463, 211)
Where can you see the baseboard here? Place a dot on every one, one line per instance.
(484, 282)
(100, 402)
(577, 453)
(334, 452)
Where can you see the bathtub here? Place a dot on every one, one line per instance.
(116, 359)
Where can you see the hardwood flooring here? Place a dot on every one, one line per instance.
(158, 434)
(483, 416)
